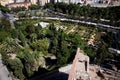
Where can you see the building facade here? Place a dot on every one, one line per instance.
(5, 2)
(17, 1)
(43, 2)
(33, 1)
(20, 4)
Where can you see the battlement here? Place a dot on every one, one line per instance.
(80, 67)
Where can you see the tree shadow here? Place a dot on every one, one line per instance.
(50, 61)
(40, 71)
(52, 75)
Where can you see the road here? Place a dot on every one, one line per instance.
(4, 73)
(84, 22)
(64, 17)
(99, 25)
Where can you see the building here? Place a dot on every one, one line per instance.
(17, 1)
(80, 67)
(33, 1)
(94, 3)
(75, 1)
(43, 2)
(65, 1)
(5, 2)
(20, 4)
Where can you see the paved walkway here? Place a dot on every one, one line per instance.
(65, 69)
(4, 73)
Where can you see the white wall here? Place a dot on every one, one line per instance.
(33, 1)
(42, 2)
(10, 1)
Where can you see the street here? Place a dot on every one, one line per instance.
(77, 21)
(84, 22)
